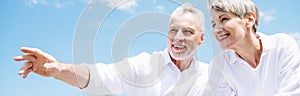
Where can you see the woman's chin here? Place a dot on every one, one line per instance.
(224, 47)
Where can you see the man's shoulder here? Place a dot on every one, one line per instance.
(145, 63)
(146, 55)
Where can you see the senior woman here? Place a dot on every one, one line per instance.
(250, 63)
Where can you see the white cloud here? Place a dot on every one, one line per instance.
(58, 4)
(296, 36)
(153, 2)
(124, 5)
(268, 16)
(128, 5)
(31, 3)
(160, 8)
(52, 3)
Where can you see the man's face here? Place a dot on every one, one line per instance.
(184, 36)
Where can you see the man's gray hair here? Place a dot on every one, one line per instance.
(187, 7)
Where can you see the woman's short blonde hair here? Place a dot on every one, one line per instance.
(237, 7)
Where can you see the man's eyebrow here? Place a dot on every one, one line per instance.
(173, 25)
(189, 27)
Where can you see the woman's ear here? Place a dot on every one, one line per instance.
(250, 18)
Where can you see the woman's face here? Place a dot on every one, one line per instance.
(229, 29)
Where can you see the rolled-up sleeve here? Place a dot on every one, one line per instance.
(103, 80)
(217, 85)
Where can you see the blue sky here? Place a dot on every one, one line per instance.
(51, 25)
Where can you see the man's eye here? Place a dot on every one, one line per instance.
(173, 30)
(188, 31)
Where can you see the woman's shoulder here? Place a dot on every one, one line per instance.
(279, 38)
(282, 36)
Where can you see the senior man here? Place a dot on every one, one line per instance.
(173, 71)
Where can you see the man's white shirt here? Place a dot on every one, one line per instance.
(147, 75)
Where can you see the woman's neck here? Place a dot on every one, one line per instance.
(250, 51)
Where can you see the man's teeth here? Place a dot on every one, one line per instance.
(178, 46)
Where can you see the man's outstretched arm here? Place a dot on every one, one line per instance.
(44, 64)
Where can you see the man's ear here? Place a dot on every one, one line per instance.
(250, 19)
(201, 40)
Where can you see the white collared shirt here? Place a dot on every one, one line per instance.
(147, 75)
(277, 74)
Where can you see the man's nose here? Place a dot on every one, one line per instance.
(179, 35)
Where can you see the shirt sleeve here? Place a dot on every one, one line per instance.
(103, 80)
(289, 76)
(217, 84)
(110, 78)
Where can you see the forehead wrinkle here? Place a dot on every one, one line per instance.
(189, 21)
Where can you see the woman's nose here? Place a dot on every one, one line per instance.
(217, 29)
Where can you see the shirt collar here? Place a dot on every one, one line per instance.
(168, 61)
(166, 56)
(232, 57)
(267, 42)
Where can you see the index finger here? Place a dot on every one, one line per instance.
(29, 50)
(37, 53)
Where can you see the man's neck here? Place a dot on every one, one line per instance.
(182, 64)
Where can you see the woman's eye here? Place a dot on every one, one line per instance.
(223, 19)
(213, 25)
